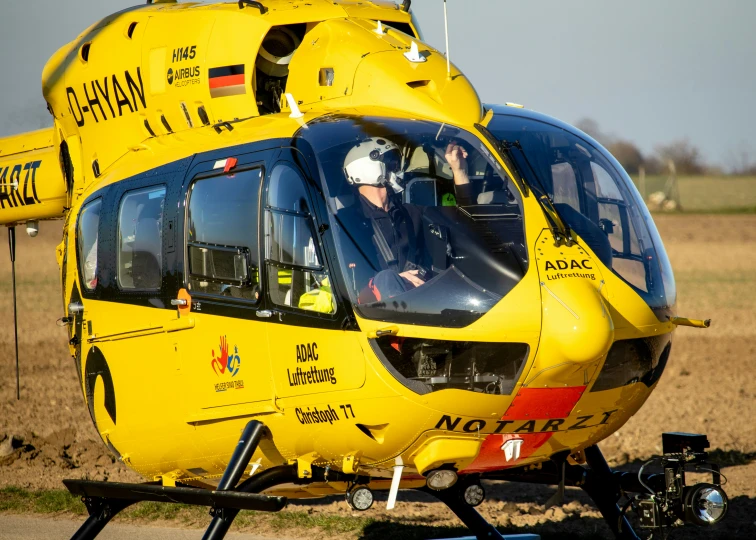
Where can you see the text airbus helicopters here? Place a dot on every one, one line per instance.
(295, 221)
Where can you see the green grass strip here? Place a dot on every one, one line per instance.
(52, 501)
(735, 210)
(20, 501)
(293, 523)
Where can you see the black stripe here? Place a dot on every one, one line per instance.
(238, 69)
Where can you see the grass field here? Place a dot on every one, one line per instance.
(710, 194)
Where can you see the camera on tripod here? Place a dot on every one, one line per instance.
(668, 498)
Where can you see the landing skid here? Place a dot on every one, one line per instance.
(105, 499)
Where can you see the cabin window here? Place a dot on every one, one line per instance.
(297, 276)
(89, 222)
(222, 235)
(140, 233)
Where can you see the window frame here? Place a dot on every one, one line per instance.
(312, 224)
(79, 259)
(186, 198)
(129, 290)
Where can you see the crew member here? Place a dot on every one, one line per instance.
(374, 165)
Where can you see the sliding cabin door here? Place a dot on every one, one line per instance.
(225, 354)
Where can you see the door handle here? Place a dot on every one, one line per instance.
(264, 313)
(183, 302)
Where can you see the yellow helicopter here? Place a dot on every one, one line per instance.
(301, 257)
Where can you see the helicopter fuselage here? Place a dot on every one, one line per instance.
(186, 322)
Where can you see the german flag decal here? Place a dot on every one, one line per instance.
(227, 81)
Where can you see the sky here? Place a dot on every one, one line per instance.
(649, 71)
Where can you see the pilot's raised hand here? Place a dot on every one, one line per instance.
(456, 157)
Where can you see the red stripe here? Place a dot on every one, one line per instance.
(529, 404)
(491, 457)
(543, 403)
(228, 80)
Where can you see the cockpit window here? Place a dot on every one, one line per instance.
(596, 200)
(428, 225)
(297, 277)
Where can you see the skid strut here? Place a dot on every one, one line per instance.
(101, 511)
(454, 499)
(598, 481)
(604, 488)
(105, 499)
(223, 517)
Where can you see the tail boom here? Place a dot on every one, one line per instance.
(32, 183)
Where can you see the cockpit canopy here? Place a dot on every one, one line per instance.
(434, 232)
(594, 197)
(436, 252)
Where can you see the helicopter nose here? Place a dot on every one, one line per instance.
(576, 333)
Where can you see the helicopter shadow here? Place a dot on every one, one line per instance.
(517, 503)
(739, 525)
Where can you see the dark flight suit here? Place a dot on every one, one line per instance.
(400, 231)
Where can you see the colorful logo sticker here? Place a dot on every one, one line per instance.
(226, 365)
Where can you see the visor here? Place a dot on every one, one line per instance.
(392, 160)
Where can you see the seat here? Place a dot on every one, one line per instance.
(145, 268)
(500, 196)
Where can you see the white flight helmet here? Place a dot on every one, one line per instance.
(374, 162)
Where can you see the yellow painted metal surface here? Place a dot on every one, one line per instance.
(128, 96)
(32, 185)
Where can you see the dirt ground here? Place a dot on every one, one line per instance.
(708, 387)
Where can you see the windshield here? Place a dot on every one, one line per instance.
(428, 226)
(595, 200)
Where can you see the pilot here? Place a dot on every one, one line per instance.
(374, 166)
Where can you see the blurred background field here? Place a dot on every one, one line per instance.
(707, 194)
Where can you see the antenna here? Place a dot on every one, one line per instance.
(446, 30)
(295, 112)
(12, 246)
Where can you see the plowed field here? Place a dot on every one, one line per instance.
(709, 387)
